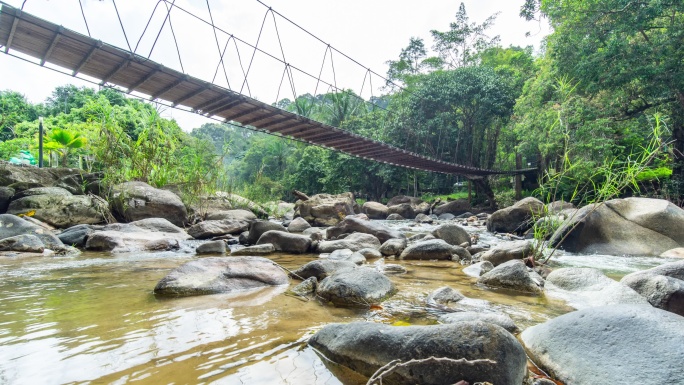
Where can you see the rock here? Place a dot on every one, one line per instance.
(257, 228)
(508, 251)
(511, 275)
(496, 356)
(618, 344)
(211, 247)
(6, 194)
(213, 204)
(423, 218)
(444, 296)
(427, 250)
(477, 269)
(393, 247)
(237, 214)
(499, 319)
(452, 234)
(214, 228)
(160, 225)
(354, 242)
(265, 248)
(477, 249)
(637, 226)
(661, 291)
(82, 183)
(468, 214)
(128, 237)
(320, 231)
(77, 235)
(137, 200)
(674, 253)
(287, 242)
(354, 225)
(390, 268)
(395, 217)
(358, 287)
(221, 275)
(58, 207)
(370, 253)
(298, 225)
(24, 243)
(375, 210)
(446, 217)
(306, 287)
(517, 218)
(326, 209)
(347, 255)
(456, 207)
(673, 269)
(558, 206)
(12, 225)
(35, 177)
(322, 268)
(408, 210)
(417, 237)
(587, 287)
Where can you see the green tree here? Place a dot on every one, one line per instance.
(64, 141)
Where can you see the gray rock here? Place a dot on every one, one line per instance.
(359, 287)
(674, 253)
(395, 217)
(287, 242)
(306, 287)
(6, 194)
(57, 207)
(355, 225)
(497, 357)
(265, 248)
(587, 287)
(427, 250)
(370, 253)
(77, 235)
(315, 230)
(423, 218)
(347, 255)
(138, 200)
(354, 242)
(322, 268)
(511, 275)
(446, 217)
(499, 319)
(160, 225)
(391, 268)
(444, 296)
(452, 233)
(24, 243)
(407, 207)
(82, 183)
(417, 237)
(221, 275)
(673, 269)
(41, 191)
(478, 269)
(457, 207)
(508, 251)
(661, 291)
(393, 247)
(211, 247)
(237, 214)
(257, 228)
(214, 228)
(12, 225)
(461, 253)
(127, 237)
(516, 218)
(298, 225)
(326, 209)
(618, 344)
(375, 210)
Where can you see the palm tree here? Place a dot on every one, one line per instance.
(63, 141)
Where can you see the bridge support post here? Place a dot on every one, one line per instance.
(518, 177)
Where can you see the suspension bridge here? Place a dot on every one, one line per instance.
(83, 56)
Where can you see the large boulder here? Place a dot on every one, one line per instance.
(77, 235)
(452, 234)
(393, 247)
(257, 228)
(12, 225)
(298, 225)
(211, 247)
(210, 229)
(375, 210)
(32, 176)
(353, 242)
(287, 242)
(407, 207)
(129, 237)
(6, 194)
(325, 209)
(24, 243)
(360, 287)
(587, 287)
(82, 183)
(618, 344)
(517, 218)
(239, 214)
(262, 249)
(508, 251)
(637, 226)
(456, 207)
(477, 352)
(221, 275)
(512, 275)
(674, 253)
(138, 200)
(430, 249)
(356, 225)
(662, 286)
(58, 207)
(322, 268)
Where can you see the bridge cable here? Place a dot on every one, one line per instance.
(168, 13)
(255, 50)
(84, 17)
(173, 33)
(149, 20)
(122, 27)
(282, 51)
(218, 47)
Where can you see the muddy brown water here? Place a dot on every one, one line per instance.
(94, 319)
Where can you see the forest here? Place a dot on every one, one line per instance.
(598, 112)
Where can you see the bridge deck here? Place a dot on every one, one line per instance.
(48, 42)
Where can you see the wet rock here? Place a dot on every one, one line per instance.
(428, 250)
(160, 225)
(587, 287)
(508, 251)
(618, 344)
(263, 249)
(77, 235)
(444, 296)
(347, 255)
(24, 243)
(674, 253)
(638, 226)
(221, 275)
(511, 275)
(662, 286)
(215, 228)
(355, 225)
(58, 207)
(237, 214)
(516, 218)
(391, 268)
(298, 225)
(211, 247)
(499, 319)
(370, 253)
(457, 207)
(393, 247)
(137, 200)
(446, 217)
(287, 242)
(375, 210)
(326, 209)
(306, 287)
(359, 287)
(6, 194)
(35, 177)
(257, 228)
(395, 217)
(128, 237)
(322, 268)
(423, 218)
(495, 355)
(12, 225)
(354, 242)
(478, 269)
(452, 234)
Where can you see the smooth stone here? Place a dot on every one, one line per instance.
(360, 287)
(287, 242)
(444, 296)
(477, 269)
(375, 210)
(12, 225)
(24, 243)
(355, 225)
(370, 253)
(516, 218)
(511, 275)
(138, 200)
(298, 225)
(508, 251)
(306, 287)
(677, 252)
(237, 214)
(395, 217)
(354, 242)
(215, 228)
(393, 247)
(322, 268)
(452, 234)
(211, 247)
(500, 319)
(429, 250)
(265, 248)
(258, 228)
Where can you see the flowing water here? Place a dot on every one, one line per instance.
(93, 318)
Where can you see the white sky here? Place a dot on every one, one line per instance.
(369, 31)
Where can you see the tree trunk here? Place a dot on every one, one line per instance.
(518, 177)
(482, 187)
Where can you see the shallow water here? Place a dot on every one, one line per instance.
(93, 319)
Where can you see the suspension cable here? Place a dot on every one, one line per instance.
(122, 27)
(82, 13)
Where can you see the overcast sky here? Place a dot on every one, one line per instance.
(369, 31)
